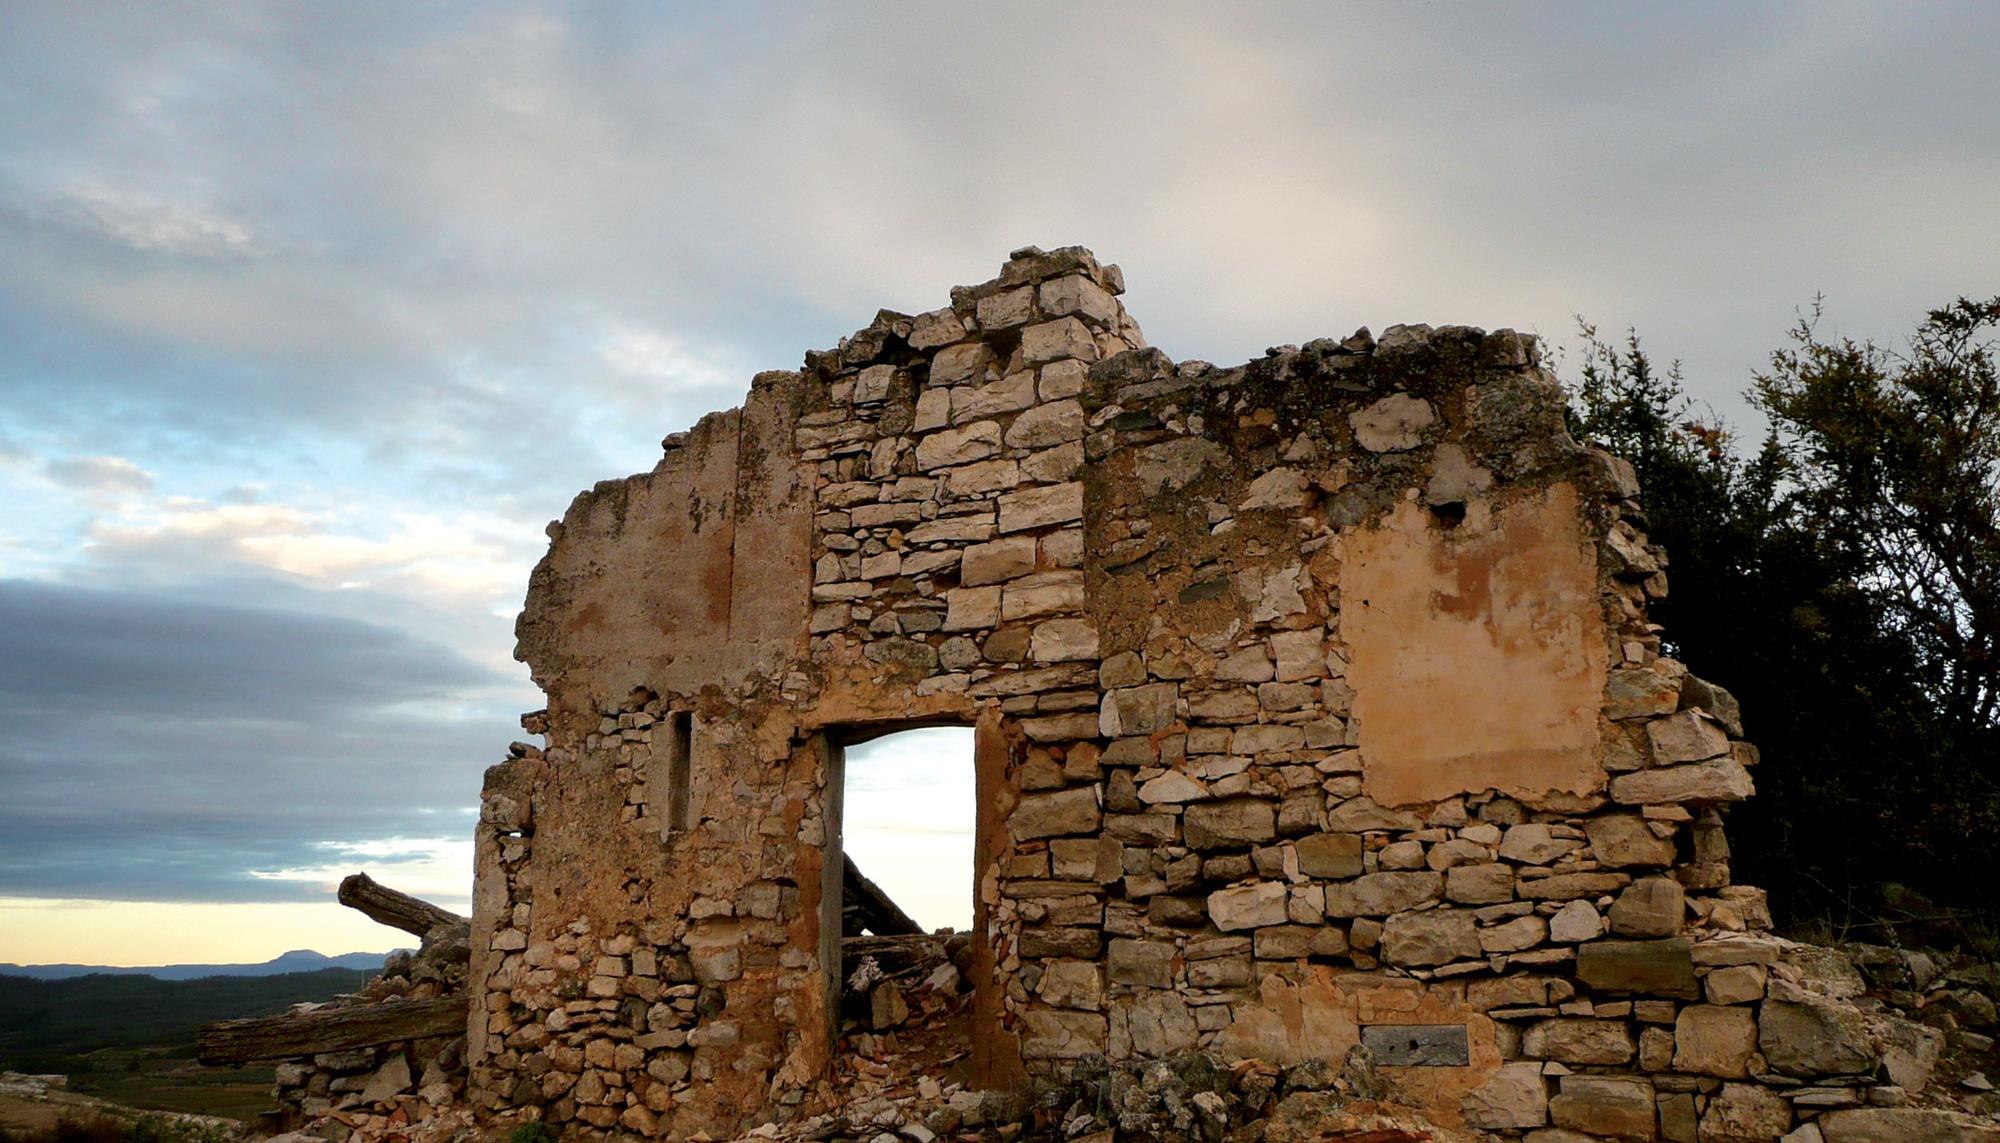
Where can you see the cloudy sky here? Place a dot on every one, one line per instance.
(311, 316)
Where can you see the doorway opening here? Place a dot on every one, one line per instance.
(907, 903)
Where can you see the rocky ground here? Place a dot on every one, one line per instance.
(33, 1104)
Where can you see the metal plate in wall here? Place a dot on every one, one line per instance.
(1418, 1045)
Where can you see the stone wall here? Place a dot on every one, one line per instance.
(1317, 705)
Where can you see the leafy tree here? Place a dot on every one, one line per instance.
(1898, 458)
(1835, 579)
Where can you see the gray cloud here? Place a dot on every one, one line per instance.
(99, 475)
(161, 749)
(448, 207)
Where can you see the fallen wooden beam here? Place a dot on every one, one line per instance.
(329, 1030)
(870, 908)
(397, 910)
(896, 956)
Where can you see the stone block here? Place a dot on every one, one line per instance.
(960, 365)
(1380, 894)
(1736, 984)
(1570, 886)
(1910, 1050)
(1226, 824)
(1063, 641)
(1906, 1125)
(1745, 1113)
(971, 608)
(1689, 736)
(1073, 811)
(1147, 964)
(1041, 594)
(949, 448)
(1151, 1025)
(1660, 968)
(1712, 1040)
(390, 1080)
(1515, 935)
(1248, 906)
(1627, 841)
(1077, 294)
(1678, 1123)
(1614, 1107)
(1329, 855)
(1064, 379)
(1575, 922)
(1514, 1098)
(1489, 883)
(1220, 972)
(1299, 655)
(1005, 309)
(1717, 780)
(1059, 1034)
(1393, 424)
(1067, 942)
(1285, 942)
(1249, 665)
(1046, 426)
(1281, 489)
(1580, 1040)
(1432, 937)
(1533, 843)
(1039, 507)
(1649, 907)
(1815, 1038)
(996, 562)
(1644, 692)
(1059, 340)
(1266, 737)
(936, 328)
(1138, 711)
(1072, 984)
(933, 410)
(1008, 394)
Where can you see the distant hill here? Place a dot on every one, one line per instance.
(298, 960)
(41, 1020)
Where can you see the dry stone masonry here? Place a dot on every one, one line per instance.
(1316, 706)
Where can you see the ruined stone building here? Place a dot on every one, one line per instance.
(1316, 705)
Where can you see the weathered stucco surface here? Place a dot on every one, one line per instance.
(1478, 651)
(1316, 702)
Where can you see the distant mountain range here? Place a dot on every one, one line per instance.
(298, 960)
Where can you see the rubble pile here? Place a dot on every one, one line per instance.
(883, 1094)
(386, 1057)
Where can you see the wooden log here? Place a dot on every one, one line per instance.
(397, 910)
(329, 1030)
(869, 908)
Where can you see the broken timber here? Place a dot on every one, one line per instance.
(329, 1030)
(863, 905)
(897, 956)
(397, 910)
(344, 1025)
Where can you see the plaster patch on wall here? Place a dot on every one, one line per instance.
(1478, 651)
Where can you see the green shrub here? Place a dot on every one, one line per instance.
(532, 1133)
